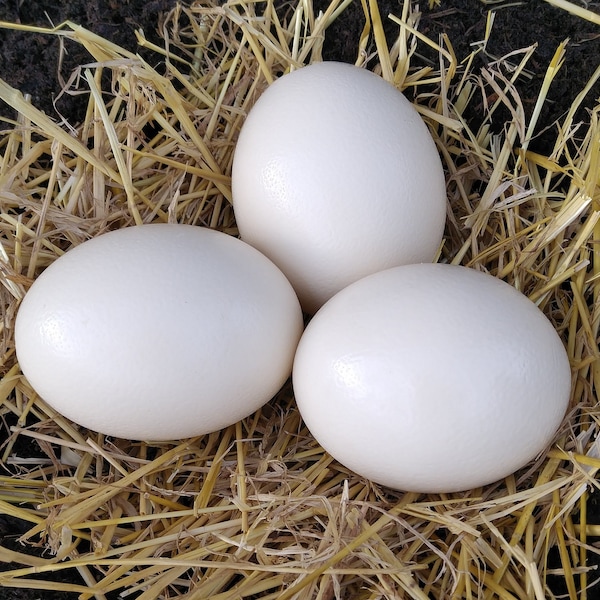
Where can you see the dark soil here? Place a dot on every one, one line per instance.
(517, 25)
(29, 62)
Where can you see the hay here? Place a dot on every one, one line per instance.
(259, 510)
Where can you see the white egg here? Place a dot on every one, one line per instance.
(335, 176)
(432, 378)
(158, 332)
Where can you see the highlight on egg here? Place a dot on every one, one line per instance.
(158, 332)
(335, 176)
(432, 378)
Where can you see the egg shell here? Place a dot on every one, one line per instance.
(432, 378)
(158, 332)
(335, 176)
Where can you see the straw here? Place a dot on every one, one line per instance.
(259, 510)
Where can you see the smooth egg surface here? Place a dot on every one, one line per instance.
(335, 176)
(158, 332)
(432, 378)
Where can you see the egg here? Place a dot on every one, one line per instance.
(432, 378)
(158, 332)
(335, 176)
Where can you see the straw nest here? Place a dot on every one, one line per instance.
(259, 510)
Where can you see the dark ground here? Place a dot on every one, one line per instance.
(29, 62)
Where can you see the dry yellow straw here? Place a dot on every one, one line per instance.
(259, 510)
